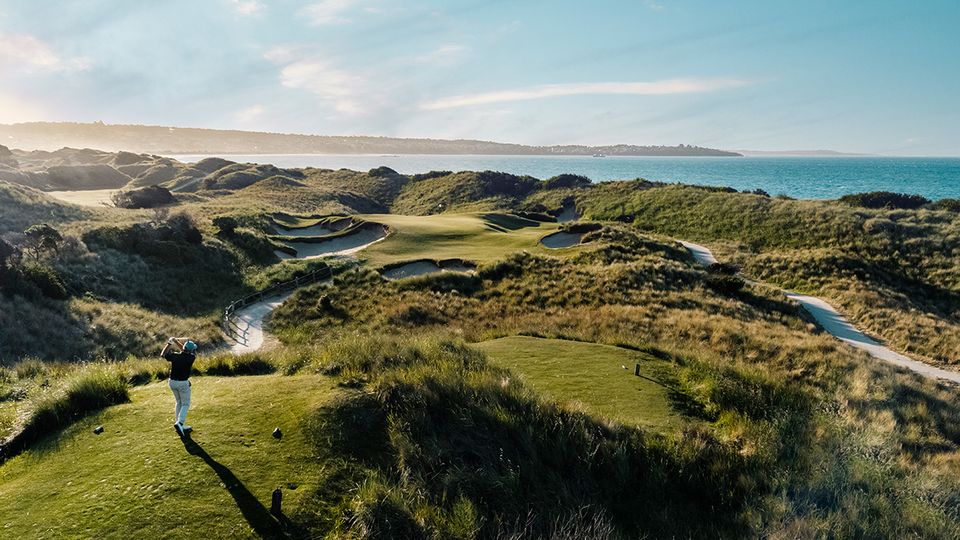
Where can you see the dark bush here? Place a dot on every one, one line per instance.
(885, 199)
(723, 269)
(566, 181)
(226, 224)
(429, 175)
(725, 284)
(47, 280)
(383, 172)
(6, 252)
(950, 205)
(148, 197)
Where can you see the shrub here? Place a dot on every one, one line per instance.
(566, 181)
(383, 172)
(429, 175)
(47, 280)
(725, 284)
(148, 197)
(6, 253)
(885, 199)
(226, 224)
(725, 269)
(950, 205)
(42, 237)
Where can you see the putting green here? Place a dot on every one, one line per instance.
(600, 378)
(473, 237)
(139, 480)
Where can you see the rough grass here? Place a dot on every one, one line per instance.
(896, 273)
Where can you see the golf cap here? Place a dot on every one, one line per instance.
(190, 346)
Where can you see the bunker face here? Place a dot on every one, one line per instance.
(561, 240)
(303, 232)
(422, 268)
(569, 213)
(343, 245)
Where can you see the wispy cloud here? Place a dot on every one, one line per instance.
(247, 7)
(315, 74)
(651, 88)
(443, 55)
(28, 53)
(328, 12)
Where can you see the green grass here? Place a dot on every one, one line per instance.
(137, 479)
(600, 378)
(454, 236)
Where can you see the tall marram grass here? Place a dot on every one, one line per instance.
(86, 391)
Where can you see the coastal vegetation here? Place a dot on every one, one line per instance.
(502, 402)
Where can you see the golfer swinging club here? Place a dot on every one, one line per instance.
(181, 361)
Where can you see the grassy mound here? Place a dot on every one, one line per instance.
(23, 207)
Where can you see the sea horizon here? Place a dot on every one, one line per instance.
(802, 177)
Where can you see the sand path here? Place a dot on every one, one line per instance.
(833, 322)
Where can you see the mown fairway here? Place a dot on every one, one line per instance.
(598, 377)
(139, 480)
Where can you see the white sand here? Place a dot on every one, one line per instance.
(560, 240)
(343, 245)
(836, 325)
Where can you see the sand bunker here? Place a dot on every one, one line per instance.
(341, 245)
(422, 268)
(560, 240)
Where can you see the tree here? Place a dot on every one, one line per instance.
(42, 238)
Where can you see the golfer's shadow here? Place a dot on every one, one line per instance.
(257, 515)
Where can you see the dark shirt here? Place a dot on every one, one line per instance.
(180, 364)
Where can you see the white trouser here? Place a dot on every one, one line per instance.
(181, 393)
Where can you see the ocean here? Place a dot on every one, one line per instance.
(798, 177)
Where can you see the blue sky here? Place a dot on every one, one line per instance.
(859, 76)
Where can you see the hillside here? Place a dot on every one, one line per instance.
(486, 365)
(167, 140)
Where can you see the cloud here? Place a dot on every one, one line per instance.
(249, 114)
(315, 74)
(652, 88)
(30, 54)
(247, 7)
(327, 12)
(443, 55)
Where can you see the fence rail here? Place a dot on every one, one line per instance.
(230, 327)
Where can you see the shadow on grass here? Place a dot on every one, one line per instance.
(257, 516)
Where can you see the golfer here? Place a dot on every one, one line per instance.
(180, 352)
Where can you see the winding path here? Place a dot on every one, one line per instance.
(833, 322)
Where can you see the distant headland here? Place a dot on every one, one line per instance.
(178, 140)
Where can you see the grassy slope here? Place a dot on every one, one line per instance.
(138, 480)
(895, 272)
(590, 375)
(447, 236)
